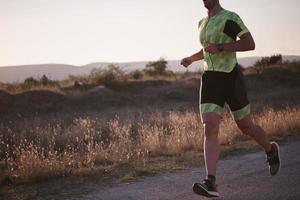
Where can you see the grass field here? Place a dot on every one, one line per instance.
(139, 127)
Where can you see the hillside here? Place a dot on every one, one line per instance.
(61, 71)
(275, 86)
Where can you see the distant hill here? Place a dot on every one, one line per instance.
(61, 71)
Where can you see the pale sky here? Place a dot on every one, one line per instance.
(79, 32)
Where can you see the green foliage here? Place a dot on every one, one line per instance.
(265, 61)
(136, 74)
(294, 65)
(276, 59)
(31, 81)
(110, 76)
(43, 81)
(156, 68)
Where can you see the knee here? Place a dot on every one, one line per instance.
(211, 129)
(211, 123)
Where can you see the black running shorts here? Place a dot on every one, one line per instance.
(218, 88)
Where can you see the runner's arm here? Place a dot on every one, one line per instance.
(195, 57)
(245, 43)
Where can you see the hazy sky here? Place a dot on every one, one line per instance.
(83, 31)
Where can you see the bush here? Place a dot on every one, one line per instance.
(137, 74)
(276, 59)
(31, 82)
(265, 61)
(156, 68)
(43, 81)
(110, 76)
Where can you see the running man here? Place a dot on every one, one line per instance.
(223, 82)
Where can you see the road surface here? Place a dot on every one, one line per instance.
(239, 177)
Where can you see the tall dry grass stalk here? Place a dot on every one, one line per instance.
(38, 149)
(285, 122)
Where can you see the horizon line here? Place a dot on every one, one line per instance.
(108, 62)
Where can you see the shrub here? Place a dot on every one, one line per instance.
(30, 82)
(156, 68)
(265, 61)
(276, 59)
(110, 76)
(45, 80)
(137, 74)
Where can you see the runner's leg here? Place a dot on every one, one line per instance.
(247, 126)
(211, 122)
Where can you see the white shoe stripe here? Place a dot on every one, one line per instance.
(216, 194)
(213, 193)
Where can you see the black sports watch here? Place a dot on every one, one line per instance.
(220, 47)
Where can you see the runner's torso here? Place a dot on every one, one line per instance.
(222, 28)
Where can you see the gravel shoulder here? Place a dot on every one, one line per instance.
(239, 177)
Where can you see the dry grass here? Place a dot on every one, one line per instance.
(16, 88)
(134, 142)
(38, 149)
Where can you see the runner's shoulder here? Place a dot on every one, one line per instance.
(201, 21)
(230, 14)
(227, 14)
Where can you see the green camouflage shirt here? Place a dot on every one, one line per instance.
(222, 28)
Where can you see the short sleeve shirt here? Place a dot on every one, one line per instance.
(222, 28)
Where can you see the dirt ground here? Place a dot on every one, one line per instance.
(240, 177)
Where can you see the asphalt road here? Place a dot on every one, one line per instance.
(239, 177)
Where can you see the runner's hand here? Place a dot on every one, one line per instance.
(186, 61)
(212, 49)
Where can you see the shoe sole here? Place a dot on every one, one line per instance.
(278, 152)
(198, 189)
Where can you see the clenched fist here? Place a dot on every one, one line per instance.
(186, 61)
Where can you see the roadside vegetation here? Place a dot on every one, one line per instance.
(111, 76)
(146, 139)
(35, 150)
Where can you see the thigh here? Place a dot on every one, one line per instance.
(235, 92)
(211, 92)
